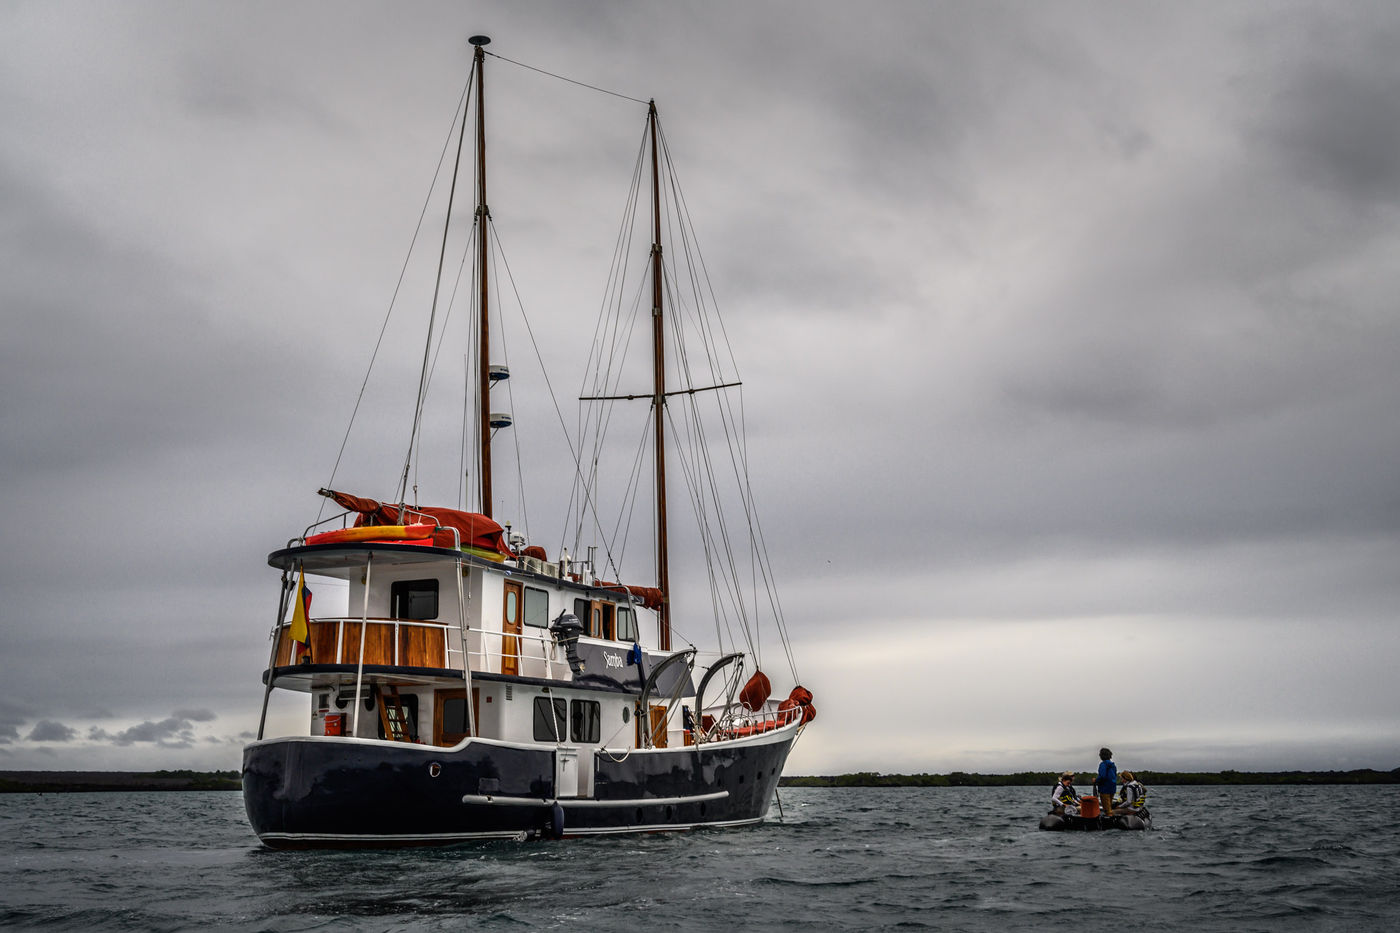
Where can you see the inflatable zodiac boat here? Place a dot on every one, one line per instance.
(1090, 818)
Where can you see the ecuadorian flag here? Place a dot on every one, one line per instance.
(299, 630)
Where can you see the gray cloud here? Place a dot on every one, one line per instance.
(46, 730)
(170, 733)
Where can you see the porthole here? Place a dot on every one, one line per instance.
(434, 769)
(626, 714)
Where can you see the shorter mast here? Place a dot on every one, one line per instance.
(658, 351)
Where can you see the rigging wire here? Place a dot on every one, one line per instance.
(734, 425)
(403, 271)
(591, 87)
(691, 306)
(496, 258)
(432, 315)
(549, 386)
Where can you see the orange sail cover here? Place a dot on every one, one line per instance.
(475, 530)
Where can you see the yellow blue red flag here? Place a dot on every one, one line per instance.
(299, 630)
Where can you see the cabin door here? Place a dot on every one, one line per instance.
(656, 725)
(600, 620)
(450, 715)
(510, 627)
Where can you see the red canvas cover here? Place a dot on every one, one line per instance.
(649, 595)
(475, 530)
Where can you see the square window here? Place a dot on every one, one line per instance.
(586, 722)
(550, 728)
(413, 599)
(626, 624)
(536, 607)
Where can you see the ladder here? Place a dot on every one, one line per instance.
(393, 716)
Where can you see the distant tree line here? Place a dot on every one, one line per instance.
(50, 782)
(1047, 778)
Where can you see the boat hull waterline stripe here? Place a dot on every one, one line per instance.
(587, 802)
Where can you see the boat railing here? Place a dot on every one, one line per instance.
(421, 643)
(344, 518)
(529, 649)
(387, 641)
(736, 722)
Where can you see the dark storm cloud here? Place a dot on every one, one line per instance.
(1334, 119)
(1051, 315)
(176, 731)
(46, 730)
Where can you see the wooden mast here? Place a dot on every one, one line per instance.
(483, 214)
(658, 348)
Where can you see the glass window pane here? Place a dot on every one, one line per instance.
(626, 624)
(550, 728)
(536, 607)
(586, 722)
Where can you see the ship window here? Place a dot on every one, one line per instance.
(414, 599)
(626, 624)
(550, 728)
(586, 724)
(581, 610)
(536, 607)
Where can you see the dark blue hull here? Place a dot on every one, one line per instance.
(339, 792)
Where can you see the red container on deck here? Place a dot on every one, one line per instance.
(333, 723)
(1088, 806)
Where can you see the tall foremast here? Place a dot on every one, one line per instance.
(483, 214)
(658, 350)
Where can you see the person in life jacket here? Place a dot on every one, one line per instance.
(1064, 799)
(1132, 795)
(1107, 781)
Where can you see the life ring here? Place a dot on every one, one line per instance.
(413, 533)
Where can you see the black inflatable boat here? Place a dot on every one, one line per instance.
(1123, 819)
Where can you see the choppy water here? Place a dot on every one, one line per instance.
(1238, 858)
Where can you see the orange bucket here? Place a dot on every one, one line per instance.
(1089, 806)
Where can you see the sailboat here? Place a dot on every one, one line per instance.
(474, 687)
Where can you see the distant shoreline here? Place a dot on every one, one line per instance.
(57, 782)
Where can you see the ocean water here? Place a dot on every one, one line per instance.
(1220, 858)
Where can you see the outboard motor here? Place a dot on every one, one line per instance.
(566, 629)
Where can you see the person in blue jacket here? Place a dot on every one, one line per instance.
(1107, 782)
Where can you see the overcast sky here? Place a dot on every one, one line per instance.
(1068, 331)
